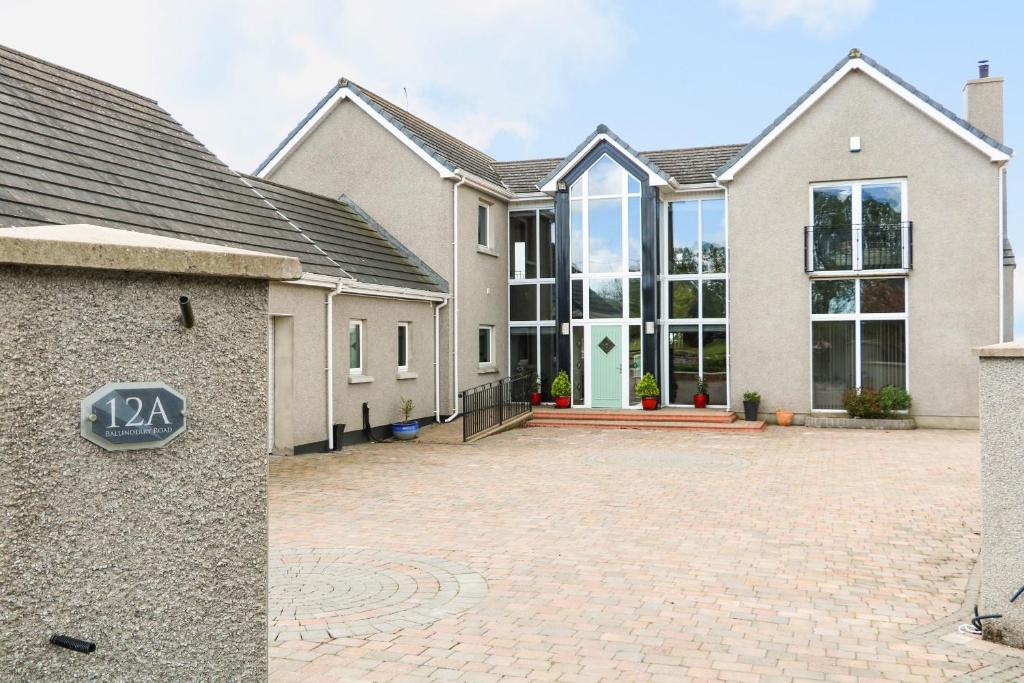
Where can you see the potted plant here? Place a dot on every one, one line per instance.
(648, 391)
(535, 394)
(561, 389)
(700, 399)
(751, 401)
(406, 429)
(784, 417)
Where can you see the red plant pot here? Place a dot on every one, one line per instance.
(562, 401)
(700, 400)
(649, 402)
(535, 398)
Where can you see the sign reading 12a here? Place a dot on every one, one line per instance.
(132, 415)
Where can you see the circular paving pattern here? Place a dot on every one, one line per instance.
(323, 593)
(667, 460)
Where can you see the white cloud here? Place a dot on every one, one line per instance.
(818, 17)
(240, 73)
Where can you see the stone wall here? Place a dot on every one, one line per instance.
(158, 556)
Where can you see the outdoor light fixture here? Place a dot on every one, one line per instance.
(855, 143)
(565, 329)
(188, 318)
(649, 327)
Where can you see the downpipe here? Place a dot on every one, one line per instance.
(437, 360)
(330, 365)
(455, 298)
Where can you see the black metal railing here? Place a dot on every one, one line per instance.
(493, 404)
(858, 247)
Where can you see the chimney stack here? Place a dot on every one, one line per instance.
(983, 102)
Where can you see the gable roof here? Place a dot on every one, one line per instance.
(602, 133)
(857, 60)
(363, 248)
(74, 149)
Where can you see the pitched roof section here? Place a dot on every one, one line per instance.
(350, 237)
(77, 150)
(522, 177)
(602, 132)
(853, 59)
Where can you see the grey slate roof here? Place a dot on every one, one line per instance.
(77, 150)
(351, 238)
(857, 54)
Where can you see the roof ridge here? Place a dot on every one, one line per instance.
(79, 74)
(693, 149)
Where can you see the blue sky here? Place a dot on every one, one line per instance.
(522, 78)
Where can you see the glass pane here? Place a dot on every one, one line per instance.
(714, 298)
(605, 216)
(522, 302)
(403, 346)
(576, 236)
(547, 244)
(577, 298)
(353, 346)
(578, 363)
(882, 296)
(833, 206)
(880, 204)
(548, 360)
(635, 239)
(682, 299)
(883, 359)
(522, 342)
(833, 361)
(485, 345)
(522, 247)
(547, 302)
(635, 363)
(634, 297)
(576, 189)
(714, 363)
(481, 226)
(632, 184)
(713, 235)
(683, 350)
(605, 298)
(682, 238)
(833, 296)
(605, 178)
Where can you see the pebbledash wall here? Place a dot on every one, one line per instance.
(158, 556)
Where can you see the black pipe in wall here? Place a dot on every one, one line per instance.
(73, 643)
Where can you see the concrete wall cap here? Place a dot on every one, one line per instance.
(93, 246)
(1012, 349)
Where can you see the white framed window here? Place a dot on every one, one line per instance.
(483, 225)
(355, 347)
(858, 337)
(486, 343)
(858, 226)
(403, 347)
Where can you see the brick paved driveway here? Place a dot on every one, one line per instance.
(569, 555)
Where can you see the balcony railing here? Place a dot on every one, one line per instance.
(888, 246)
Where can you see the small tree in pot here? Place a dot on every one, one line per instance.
(751, 402)
(561, 389)
(407, 429)
(700, 399)
(648, 391)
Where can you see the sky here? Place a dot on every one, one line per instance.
(522, 78)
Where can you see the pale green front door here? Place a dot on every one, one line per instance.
(606, 366)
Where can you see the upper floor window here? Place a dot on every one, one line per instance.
(483, 225)
(696, 237)
(604, 220)
(858, 226)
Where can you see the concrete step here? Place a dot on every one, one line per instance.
(664, 415)
(756, 426)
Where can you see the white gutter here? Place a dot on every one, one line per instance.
(455, 297)
(437, 359)
(1001, 175)
(330, 365)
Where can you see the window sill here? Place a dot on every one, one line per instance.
(405, 374)
(487, 369)
(486, 251)
(879, 272)
(359, 379)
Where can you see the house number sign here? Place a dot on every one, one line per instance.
(132, 415)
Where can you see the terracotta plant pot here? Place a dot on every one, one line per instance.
(700, 400)
(535, 398)
(649, 402)
(784, 417)
(562, 401)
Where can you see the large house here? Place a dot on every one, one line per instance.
(858, 241)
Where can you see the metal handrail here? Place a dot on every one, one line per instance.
(495, 403)
(859, 246)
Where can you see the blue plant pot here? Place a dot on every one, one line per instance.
(404, 431)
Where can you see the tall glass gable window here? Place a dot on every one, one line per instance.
(531, 295)
(858, 337)
(605, 251)
(694, 300)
